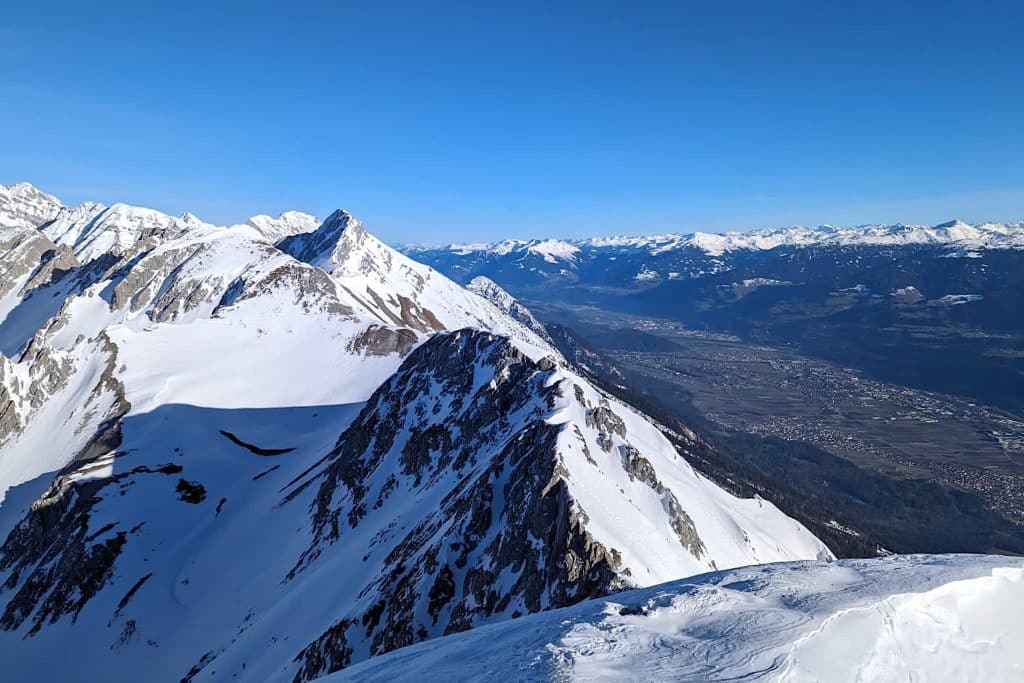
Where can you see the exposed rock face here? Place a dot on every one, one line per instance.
(146, 279)
(81, 378)
(29, 259)
(55, 564)
(607, 423)
(308, 288)
(640, 469)
(48, 371)
(53, 266)
(462, 423)
(105, 405)
(377, 340)
(10, 395)
(93, 231)
(182, 279)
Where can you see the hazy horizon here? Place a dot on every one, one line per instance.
(461, 123)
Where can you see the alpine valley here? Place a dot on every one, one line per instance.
(869, 296)
(869, 380)
(280, 449)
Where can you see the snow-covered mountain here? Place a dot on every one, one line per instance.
(388, 284)
(550, 250)
(649, 260)
(227, 453)
(285, 225)
(28, 203)
(928, 618)
(955, 233)
(168, 296)
(893, 301)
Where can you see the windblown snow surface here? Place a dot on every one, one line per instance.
(909, 618)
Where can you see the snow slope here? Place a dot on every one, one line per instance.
(490, 290)
(927, 618)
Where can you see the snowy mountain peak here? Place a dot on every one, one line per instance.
(392, 286)
(330, 245)
(25, 201)
(286, 224)
(93, 230)
(553, 250)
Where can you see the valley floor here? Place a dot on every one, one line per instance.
(900, 432)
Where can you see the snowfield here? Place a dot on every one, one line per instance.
(910, 618)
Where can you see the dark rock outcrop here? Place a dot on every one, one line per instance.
(55, 563)
(463, 419)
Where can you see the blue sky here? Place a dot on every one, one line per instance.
(439, 121)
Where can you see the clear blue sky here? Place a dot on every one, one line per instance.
(439, 121)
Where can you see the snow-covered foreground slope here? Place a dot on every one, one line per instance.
(263, 452)
(913, 618)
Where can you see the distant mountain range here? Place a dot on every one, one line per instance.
(680, 256)
(953, 233)
(933, 307)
